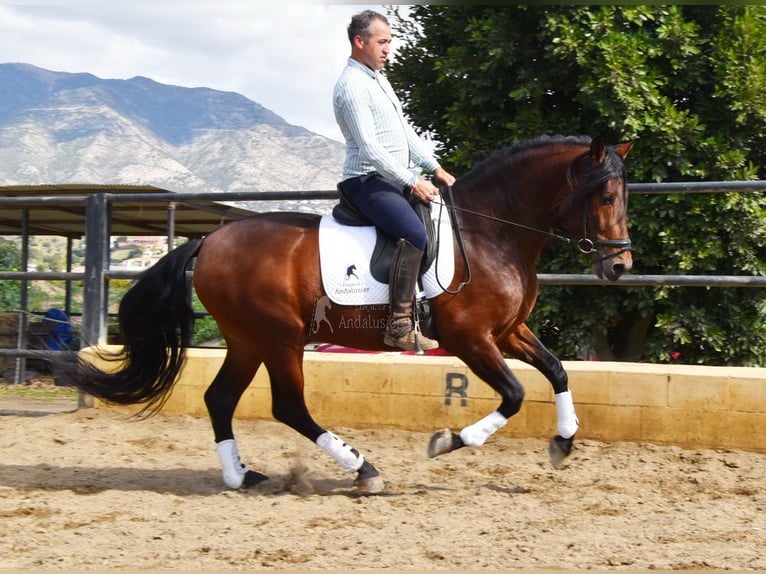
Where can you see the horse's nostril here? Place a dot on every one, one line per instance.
(618, 269)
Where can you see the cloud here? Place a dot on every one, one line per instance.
(284, 56)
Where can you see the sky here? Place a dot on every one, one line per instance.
(285, 56)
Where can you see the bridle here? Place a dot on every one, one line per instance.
(585, 244)
(588, 246)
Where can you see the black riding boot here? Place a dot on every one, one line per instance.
(402, 282)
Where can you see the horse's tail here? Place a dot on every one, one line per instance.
(155, 320)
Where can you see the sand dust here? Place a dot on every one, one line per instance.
(99, 489)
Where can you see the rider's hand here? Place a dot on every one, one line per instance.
(424, 190)
(442, 175)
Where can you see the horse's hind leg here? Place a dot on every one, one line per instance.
(522, 344)
(289, 407)
(221, 399)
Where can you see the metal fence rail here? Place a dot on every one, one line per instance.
(696, 187)
(97, 273)
(629, 280)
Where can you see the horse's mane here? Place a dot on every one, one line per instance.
(503, 159)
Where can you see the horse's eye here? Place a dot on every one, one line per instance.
(607, 199)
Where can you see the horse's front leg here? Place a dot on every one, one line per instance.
(522, 344)
(487, 363)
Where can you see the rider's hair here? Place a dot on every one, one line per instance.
(361, 23)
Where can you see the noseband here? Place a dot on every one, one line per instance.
(588, 246)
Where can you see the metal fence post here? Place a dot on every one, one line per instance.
(95, 285)
(21, 362)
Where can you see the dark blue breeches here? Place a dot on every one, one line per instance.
(384, 203)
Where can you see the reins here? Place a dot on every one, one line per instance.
(585, 245)
(507, 222)
(447, 193)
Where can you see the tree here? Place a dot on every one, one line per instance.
(10, 290)
(687, 83)
(10, 260)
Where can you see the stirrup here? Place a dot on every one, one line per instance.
(413, 340)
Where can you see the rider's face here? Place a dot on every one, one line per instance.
(373, 51)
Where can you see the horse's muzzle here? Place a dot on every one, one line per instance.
(612, 266)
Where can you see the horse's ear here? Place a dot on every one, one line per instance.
(597, 150)
(623, 148)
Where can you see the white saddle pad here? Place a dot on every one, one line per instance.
(344, 255)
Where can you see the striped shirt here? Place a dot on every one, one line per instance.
(378, 138)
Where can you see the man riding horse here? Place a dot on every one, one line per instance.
(381, 149)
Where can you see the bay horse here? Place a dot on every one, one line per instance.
(259, 278)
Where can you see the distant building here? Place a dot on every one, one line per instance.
(136, 262)
(140, 241)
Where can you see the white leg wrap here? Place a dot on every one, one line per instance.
(233, 469)
(567, 418)
(349, 459)
(479, 432)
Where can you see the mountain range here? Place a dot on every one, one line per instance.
(59, 127)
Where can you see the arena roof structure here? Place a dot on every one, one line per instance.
(61, 210)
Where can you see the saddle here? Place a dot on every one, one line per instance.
(382, 257)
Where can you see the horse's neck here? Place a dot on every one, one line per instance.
(521, 197)
(511, 215)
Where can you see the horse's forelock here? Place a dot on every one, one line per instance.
(584, 179)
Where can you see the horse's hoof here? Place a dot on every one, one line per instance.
(442, 442)
(368, 479)
(559, 449)
(252, 478)
(374, 485)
